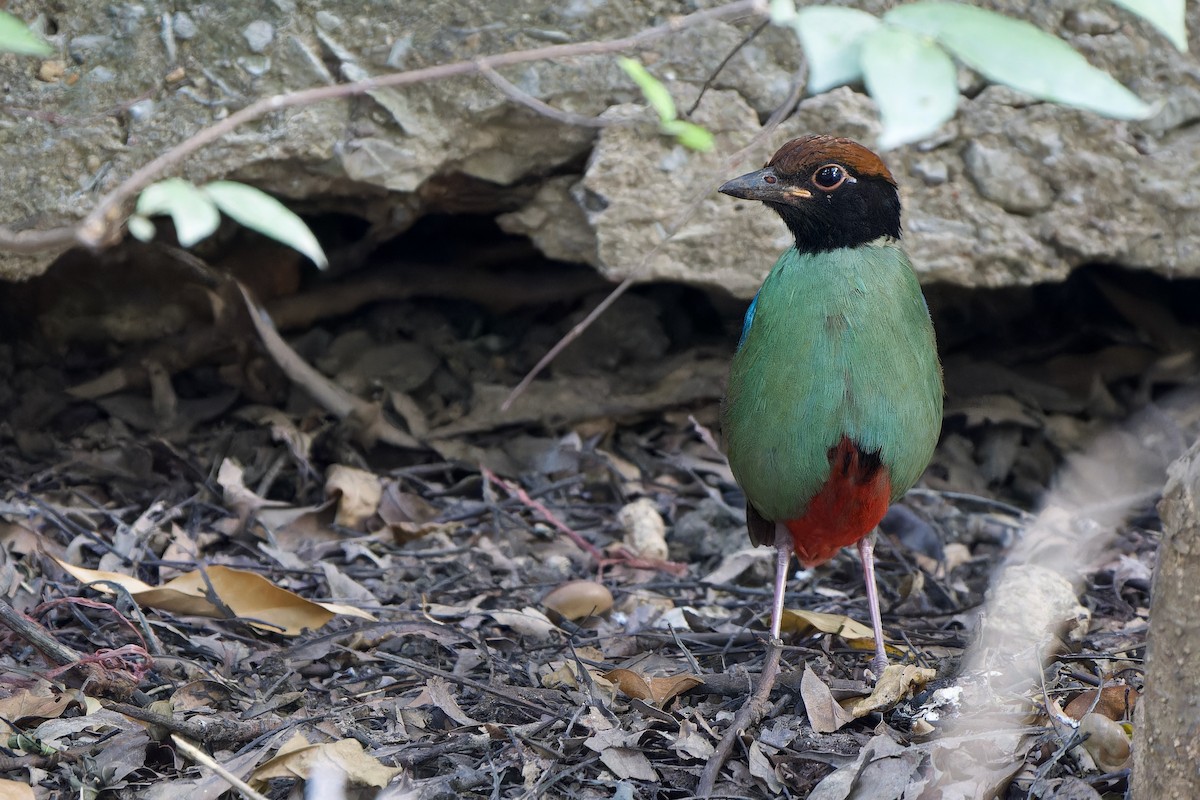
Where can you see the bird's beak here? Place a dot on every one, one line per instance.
(763, 185)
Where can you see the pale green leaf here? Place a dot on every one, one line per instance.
(15, 37)
(259, 211)
(912, 80)
(689, 134)
(655, 93)
(194, 215)
(140, 228)
(782, 12)
(1014, 53)
(1166, 15)
(831, 38)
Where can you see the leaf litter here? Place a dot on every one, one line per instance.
(386, 575)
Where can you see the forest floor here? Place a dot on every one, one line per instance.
(350, 565)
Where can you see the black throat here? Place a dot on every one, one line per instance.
(847, 218)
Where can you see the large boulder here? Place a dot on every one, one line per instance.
(1010, 192)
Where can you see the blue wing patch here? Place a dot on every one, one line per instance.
(748, 321)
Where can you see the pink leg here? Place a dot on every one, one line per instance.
(866, 551)
(783, 560)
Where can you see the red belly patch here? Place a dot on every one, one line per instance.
(847, 508)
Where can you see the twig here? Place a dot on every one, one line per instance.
(547, 514)
(507, 696)
(748, 715)
(102, 225)
(622, 555)
(200, 757)
(724, 63)
(516, 94)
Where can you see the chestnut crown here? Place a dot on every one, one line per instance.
(831, 193)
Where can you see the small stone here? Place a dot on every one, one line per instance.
(579, 599)
(1007, 179)
(259, 35)
(184, 25)
(141, 109)
(933, 172)
(1090, 21)
(328, 21)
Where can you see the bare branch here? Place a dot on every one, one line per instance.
(515, 93)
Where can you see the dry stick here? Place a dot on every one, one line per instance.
(200, 757)
(516, 94)
(747, 716)
(548, 515)
(102, 225)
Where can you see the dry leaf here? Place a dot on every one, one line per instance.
(1116, 702)
(736, 563)
(526, 622)
(251, 597)
(39, 702)
(358, 494)
(13, 790)
(897, 682)
(690, 742)
(824, 713)
(762, 768)
(442, 696)
(655, 690)
(297, 758)
(804, 622)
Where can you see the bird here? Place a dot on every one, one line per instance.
(834, 401)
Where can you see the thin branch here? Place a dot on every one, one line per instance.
(762, 26)
(103, 224)
(518, 95)
(749, 715)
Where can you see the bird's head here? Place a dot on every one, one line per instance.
(831, 192)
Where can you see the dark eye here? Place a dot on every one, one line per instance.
(829, 177)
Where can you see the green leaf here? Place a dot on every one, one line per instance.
(15, 37)
(140, 228)
(912, 80)
(1017, 54)
(1166, 15)
(259, 211)
(655, 93)
(831, 38)
(194, 215)
(689, 134)
(782, 12)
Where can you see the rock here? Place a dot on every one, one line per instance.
(1010, 192)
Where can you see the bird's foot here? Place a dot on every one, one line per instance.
(878, 665)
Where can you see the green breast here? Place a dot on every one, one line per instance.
(840, 345)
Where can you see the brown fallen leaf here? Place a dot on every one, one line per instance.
(358, 494)
(14, 790)
(824, 713)
(1116, 702)
(297, 758)
(40, 701)
(655, 690)
(251, 597)
(897, 682)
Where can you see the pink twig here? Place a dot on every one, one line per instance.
(623, 556)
